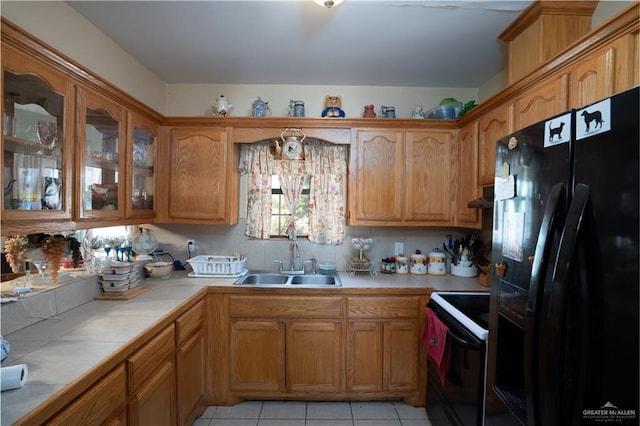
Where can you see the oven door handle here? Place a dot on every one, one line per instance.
(466, 343)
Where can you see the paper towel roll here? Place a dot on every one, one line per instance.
(13, 377)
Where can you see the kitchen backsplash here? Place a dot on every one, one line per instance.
(260, 254)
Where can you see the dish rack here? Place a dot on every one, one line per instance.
(217, 266)
(360, 263)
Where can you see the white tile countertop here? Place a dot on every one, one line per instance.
(73, 340)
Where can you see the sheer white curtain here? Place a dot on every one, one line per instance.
(327, 165)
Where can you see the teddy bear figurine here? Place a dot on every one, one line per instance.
(332, 107)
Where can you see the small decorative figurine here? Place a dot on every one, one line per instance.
(388, 111)
(369, 111)
(417, 112)
(220, 107)
(332, 107)
(260, 108)
(296, 108)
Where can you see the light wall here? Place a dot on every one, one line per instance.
(196, 99)
(64, 29)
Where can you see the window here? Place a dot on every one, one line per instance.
(280, 211)
(316, 184)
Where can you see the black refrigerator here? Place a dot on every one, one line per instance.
(564, 319)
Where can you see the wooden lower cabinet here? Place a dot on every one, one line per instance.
(256, 356)
(314, 360)
(285, 345)
(383, 354)
(154, 402)
(152, 389)
(325, 347)
(103, 404)
(191, 353)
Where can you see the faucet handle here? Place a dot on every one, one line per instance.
(281, 263)
(314, 263)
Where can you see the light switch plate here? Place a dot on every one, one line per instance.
(398, 248)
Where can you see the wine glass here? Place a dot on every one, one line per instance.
(43, 269)
(47, 132)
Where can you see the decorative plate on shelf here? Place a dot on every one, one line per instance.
(143, 244)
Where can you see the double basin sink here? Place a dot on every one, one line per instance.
(274, 279)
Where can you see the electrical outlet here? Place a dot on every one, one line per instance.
(191, 244)
(398, 248)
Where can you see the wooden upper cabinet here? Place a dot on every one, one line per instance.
(376, 176)
(491, 127)
(610, 70)
(545, 99)
(202, 176)
(466, 186)
(400, 177)
(37, 143)
(542, 31)
(142, 145)
(101, 135)
(427, 185)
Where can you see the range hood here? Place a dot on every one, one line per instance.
(484, 202)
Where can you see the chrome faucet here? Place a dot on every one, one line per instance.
(294, 254)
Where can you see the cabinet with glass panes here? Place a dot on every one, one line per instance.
(37, 114)
(141, 182)
(101, 130)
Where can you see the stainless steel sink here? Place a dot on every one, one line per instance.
(272, 279)
(262, 279)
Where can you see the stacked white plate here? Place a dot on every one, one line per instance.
(120, 277)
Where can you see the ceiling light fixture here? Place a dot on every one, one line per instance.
(328, 3)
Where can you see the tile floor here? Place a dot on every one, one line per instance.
(301, 413)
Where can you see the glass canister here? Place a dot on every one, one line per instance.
(437, 263)
(402, 265)
(418, 264)
(388, 266)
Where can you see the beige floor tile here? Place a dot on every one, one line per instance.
(283, 410)
(374, 410)
(329, 410)
(334, 422)
(408, 412)
(244, 410)
(383, 422)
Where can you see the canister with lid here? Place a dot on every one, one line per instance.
(418, 264)
(402, 265)
(437, 262)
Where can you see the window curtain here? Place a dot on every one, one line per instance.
(327, 165)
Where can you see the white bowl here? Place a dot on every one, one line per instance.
(464, 271)
(158, 269)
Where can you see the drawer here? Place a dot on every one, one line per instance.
(383, 307)
(190, 322)
(147, 360)
(102, 402)
(285, 307)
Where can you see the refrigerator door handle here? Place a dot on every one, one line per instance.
(564, 378)
(551, 223)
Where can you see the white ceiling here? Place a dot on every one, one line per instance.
(364, 43)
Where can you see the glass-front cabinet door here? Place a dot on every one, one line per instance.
(101, 130)
(141, 162)
(36, 134)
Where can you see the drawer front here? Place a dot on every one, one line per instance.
(102, 402)
(147, 360)
(190, 322)
(285, 307)
(382, 307)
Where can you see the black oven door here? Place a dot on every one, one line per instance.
(460, 401)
